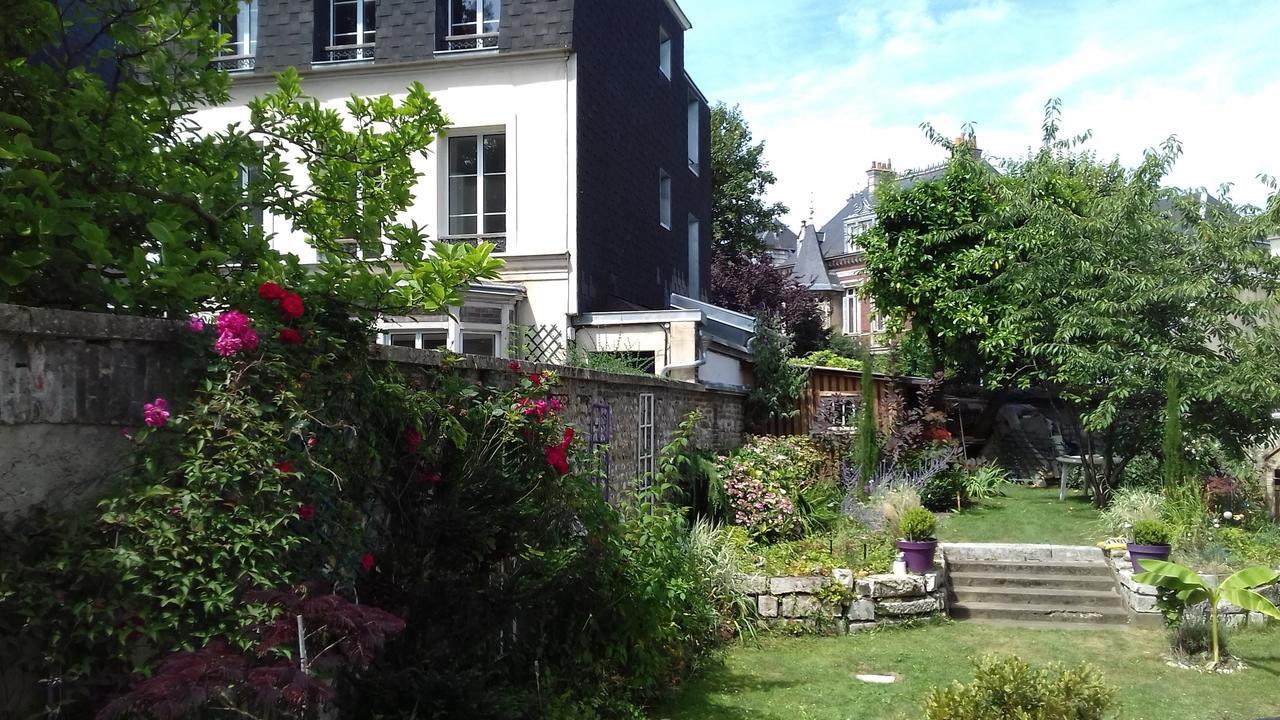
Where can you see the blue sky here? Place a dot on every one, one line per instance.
(831, 85)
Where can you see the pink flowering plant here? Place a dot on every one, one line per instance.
(769, 483)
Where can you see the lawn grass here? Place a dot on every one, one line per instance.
(1025, 515)
(813, 678)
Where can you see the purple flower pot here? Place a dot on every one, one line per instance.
(1147, 552)
(919, 555)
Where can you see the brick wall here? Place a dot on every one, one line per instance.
(70, 382)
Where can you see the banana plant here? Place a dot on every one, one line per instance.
(1191, 589)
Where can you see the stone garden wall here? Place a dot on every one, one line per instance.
(844, 603)
(1141, 599)
(72, 382)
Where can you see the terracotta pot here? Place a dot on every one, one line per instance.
(918, 554)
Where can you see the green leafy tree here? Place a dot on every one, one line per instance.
(739, 179)
(778, 384)
(111, 199)
(1094, 282)
(931, 261)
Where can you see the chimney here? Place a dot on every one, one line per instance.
(879, 172)
(971, 142)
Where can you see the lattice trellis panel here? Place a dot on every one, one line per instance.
(538, 343)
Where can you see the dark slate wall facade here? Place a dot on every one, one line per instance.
(632, 121)
(291, 31)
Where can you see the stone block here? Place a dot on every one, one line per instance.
(767, 606)
(792, 585)
(900, 608)
(805, 606)
(857, 627)
(844, 577)
(862, 610)
(891, 586)
(1142, 603)
(753, 584)
(931, 582)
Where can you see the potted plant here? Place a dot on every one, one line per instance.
(918, 543)
(1151, 540)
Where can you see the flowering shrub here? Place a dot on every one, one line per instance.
(305, 464)
(763, 481)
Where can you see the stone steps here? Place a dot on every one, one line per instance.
(1044, 586)
(1019, 613)
(1007, 595)
(1033, 580)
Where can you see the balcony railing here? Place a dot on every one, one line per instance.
(482, 41)
(499, 242)
(235, 63)
(348, 53)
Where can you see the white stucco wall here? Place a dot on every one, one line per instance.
(532, 98)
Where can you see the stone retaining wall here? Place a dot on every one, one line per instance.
(845, 603)
(1141, 599)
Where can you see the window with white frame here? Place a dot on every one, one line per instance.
(477, 190)
(664, 199)
(645, 440)
(664, 53)
(481, 330)
(852, 230)
(242, 29)
(852, 312)
(425, 339)
(695, 134)
(353, 26)
(473, 24)
(695, 261)
(249, 176)
(877, 320)
(473, 329)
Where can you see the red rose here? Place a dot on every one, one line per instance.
(306, 511)
(285, 467)
(430, 477)
(291, 305)
(558, 455)
(413, 439)
(514, 366)
(271, 291)
(366, 562)
(290, 336)
(535, 379)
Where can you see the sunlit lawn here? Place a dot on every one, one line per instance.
(813, 678)
(1025, 515)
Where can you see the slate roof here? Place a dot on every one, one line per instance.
(863, 201)
(810, 268)
(780, 237)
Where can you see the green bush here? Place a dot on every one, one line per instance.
(940, 491)
(918, 524)
(1129, 506)
(984, 482)
(1007, 688)
(1152, 532)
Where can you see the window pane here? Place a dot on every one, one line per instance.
(462, 156)
(494, 224)
(344, 18)
(435, 339)
(481, 315)
(480, 344)
(462, 196)
(463, 225)
(405, 340)
(495, 154)
(492, 13)
(463, 16)
(495, 194)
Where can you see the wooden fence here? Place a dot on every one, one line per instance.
(831, 398)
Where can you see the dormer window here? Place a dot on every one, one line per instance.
(242, 47)
(473, 24)
(853, 229)
(353, 26)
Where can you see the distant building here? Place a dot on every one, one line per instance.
(829, 261)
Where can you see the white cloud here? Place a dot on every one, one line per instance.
(1132, 81)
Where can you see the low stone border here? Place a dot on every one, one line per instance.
(844, 603)
(1141, 599)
